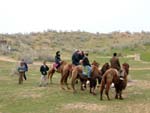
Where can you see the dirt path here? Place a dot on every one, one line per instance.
(7, 59)
(4, 58)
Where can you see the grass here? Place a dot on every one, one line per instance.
(29, 98)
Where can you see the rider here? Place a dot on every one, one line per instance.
(75, 58)
(57, 60)
(114, 62)
(86, 65)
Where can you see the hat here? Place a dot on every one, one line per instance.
(57, 52)
(86, 53)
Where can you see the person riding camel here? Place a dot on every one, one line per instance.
(57, 60)
(76, 58)
(114, 62)
(87, 66)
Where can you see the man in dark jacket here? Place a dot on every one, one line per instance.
(75, 58)
(86, 60)
(114, 62)
(43, 69)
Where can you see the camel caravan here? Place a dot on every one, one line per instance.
(81, 69)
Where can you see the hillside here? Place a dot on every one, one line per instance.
(43, 45)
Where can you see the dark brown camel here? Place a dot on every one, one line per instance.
(118, 78)
(77, 73)
(104, 68)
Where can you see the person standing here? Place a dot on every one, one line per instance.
(26, 68)
(43, 69)
(21, 70)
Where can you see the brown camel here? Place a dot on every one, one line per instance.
(59, 70)
(77, 73)
(118, 78)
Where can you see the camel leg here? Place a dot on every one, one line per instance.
(94, 91)
(82, 84)
(94, 85)
(120, 95)
(116, 97)
(65, 77)
(102, 86)
(73, 86)
(61, 82)
(73, 82)
(99, 81)
(91, 85)
(107, 90)
(50, 75)
(66, 83)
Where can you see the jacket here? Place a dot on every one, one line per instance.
(44, 69)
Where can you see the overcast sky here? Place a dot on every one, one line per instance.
(86, 15)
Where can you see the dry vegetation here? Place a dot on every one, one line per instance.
(42, 45)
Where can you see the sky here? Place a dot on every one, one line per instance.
(71, 15)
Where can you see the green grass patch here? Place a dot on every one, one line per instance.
(30, 98)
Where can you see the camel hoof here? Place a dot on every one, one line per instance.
(116, 97)
(82, 89)
(121, 98)
(94, 93)
(68, 88)
(74, 92)
(62, 88)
